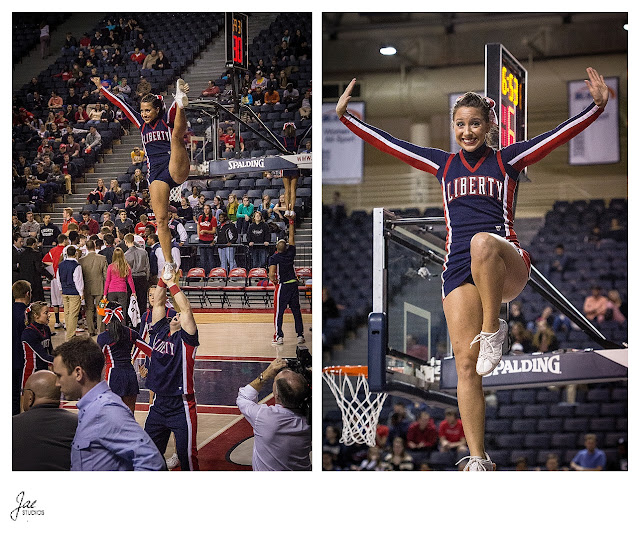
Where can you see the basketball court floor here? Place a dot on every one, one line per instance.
(234, 348)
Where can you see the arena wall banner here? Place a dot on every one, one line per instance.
(538, 369)
(342, 151)
(600, 143)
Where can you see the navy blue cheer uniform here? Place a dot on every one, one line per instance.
(478, 187)
(286, 292)
(118, 370)
(171, 368)
(37, 349)
(291, 144)
(145, 322)
(156, 138)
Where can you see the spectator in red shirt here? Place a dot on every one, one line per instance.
(422, 434)
(92, 224)
(211, 89)
(67, 215)
(137, 56)
(382, 436)
(85, 41)
(141, 226)
(230, 140)
(451, 433)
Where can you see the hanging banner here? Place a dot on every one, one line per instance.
(342, 151)
(600, 143)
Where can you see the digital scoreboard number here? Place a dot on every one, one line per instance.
(506, 83)
(237, 35)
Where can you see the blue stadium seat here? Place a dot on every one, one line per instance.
(540, 441)
(563, 411)
(490, 412)
(497, 426)
(442, 458)
(563, 440)
(523, 425)
(576, 424)
(510, 411)
(500, 457)
(588, 409)
(550, 425)
(606, 423)
(536, 411)
(504, 397)
(613, 409)
(510, 441)
(611, 439)
(527, 396)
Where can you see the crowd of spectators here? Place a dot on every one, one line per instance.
(277, 85)
(403, 442)
(255, 227)
(64, 123)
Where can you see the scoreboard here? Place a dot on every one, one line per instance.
(506, 83)
(237, 37)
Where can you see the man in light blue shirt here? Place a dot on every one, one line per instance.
(591, 458)
(108, 436)
(282, 437)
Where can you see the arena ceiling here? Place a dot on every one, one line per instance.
(351, 41)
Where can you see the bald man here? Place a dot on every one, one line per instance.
(282, 436)
(42, 434)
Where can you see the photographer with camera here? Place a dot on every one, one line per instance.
(282, 436)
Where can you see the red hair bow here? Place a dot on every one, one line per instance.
(108, 314)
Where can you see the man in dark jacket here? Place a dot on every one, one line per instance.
(43, 433)
(16, 253)
(32, 269)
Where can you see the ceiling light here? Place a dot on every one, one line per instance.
(388, 50)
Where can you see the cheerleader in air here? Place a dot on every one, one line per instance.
(162, 134)
(484, 264)
(290, 175)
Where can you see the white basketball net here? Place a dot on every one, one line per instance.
(175, 194)
(359, 415)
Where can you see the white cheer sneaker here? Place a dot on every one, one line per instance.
(490, 348)
(478, 464)
(169, 271)
(181, 97)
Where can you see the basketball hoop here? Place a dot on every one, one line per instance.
(359, 406)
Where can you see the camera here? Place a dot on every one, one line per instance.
(302, 365)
